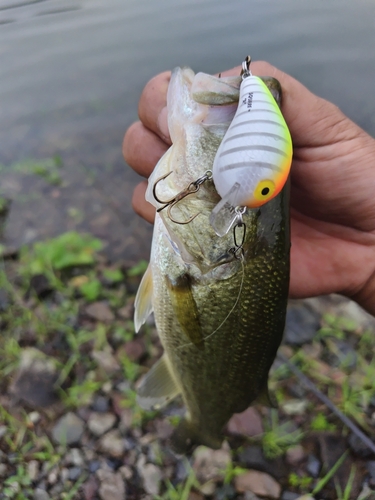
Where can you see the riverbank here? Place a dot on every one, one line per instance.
(70, 426)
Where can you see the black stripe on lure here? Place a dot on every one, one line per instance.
(253, 161)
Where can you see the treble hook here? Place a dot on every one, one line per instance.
(192, 188)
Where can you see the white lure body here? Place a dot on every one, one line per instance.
(253, 161)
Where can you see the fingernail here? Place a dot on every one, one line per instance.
(163, 125)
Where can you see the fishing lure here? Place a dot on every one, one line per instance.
(253, 160)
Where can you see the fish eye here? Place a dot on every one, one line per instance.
(264, 190)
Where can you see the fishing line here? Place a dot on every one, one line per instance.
(230, 312)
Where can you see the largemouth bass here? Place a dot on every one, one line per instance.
(219, 301)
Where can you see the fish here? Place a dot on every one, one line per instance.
(219, 301)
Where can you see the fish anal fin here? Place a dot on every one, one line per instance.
(158, 387)
(185, 308)
(143, 300)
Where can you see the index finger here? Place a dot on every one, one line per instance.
(152, 108)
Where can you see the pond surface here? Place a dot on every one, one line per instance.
(71, 72)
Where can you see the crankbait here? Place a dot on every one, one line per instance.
(253, 161)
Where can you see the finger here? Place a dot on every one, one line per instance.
(142, 149)
(140, 205)
(152, 106)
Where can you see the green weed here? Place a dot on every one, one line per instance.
(276, 439)
(320, 423)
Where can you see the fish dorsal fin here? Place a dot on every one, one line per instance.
(158, 387)
(143, 300)
(265, 398)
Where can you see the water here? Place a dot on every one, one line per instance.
(71, 73)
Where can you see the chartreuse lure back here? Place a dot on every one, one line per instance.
(253, 161)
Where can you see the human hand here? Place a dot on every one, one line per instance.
(333, 179)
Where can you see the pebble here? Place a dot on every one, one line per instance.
(210, 464)
(112, 485)
(126, 472)
(34, 417)
(74, 473)
(3, 470)
(248, 423)
(94, 465)
(100, 423)
(33, 469)
(295, 454)
(40, 494)
(100, 404)
(53, 477)
(370, 465)
(100, 311)
(289, 495)
(106, 361)
(301, 324)
(74, 457)
(35, 380)
(252, 458)
(259, 483)
(295, 407)
(226, 492)
(358, 446)
(112, 443)
(3, 430)
(152, 476)
(68, 430)
(313, 466)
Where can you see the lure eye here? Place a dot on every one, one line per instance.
(264, 190)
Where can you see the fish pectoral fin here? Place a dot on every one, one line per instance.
(265, 398)
(143, 300)
(185, 308)
(158, 387)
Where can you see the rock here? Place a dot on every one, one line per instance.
(112, 486)
(127, 311)
(225, 492)
(41, 285)
(94, 465)
(152, 476)
(301, 324)
(4, 300)
(100, 311)
(106, 360)
(164, 429)
(295, 454)
(74, 473)
(100, 423)
(295, 407)
(134, 349)
(259, 483)
(3, 470)
(34, 417)
(3, 430)
(112, 443)
(289, 495)
(74, 457)
(195, 495)
(252, 458)
(100, 404)
(40, 494)
(35, 380)
(370, 466)
(68, 430)
(90, 488)
(33, 469)
(313, 465)
(358, 446)
(210, 464)
(248, 423)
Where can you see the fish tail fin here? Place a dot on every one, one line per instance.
(189, 435)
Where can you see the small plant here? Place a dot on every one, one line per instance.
(320, 423)
(334, 326)
(301, 482)
(70, 249)
(276, 439)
